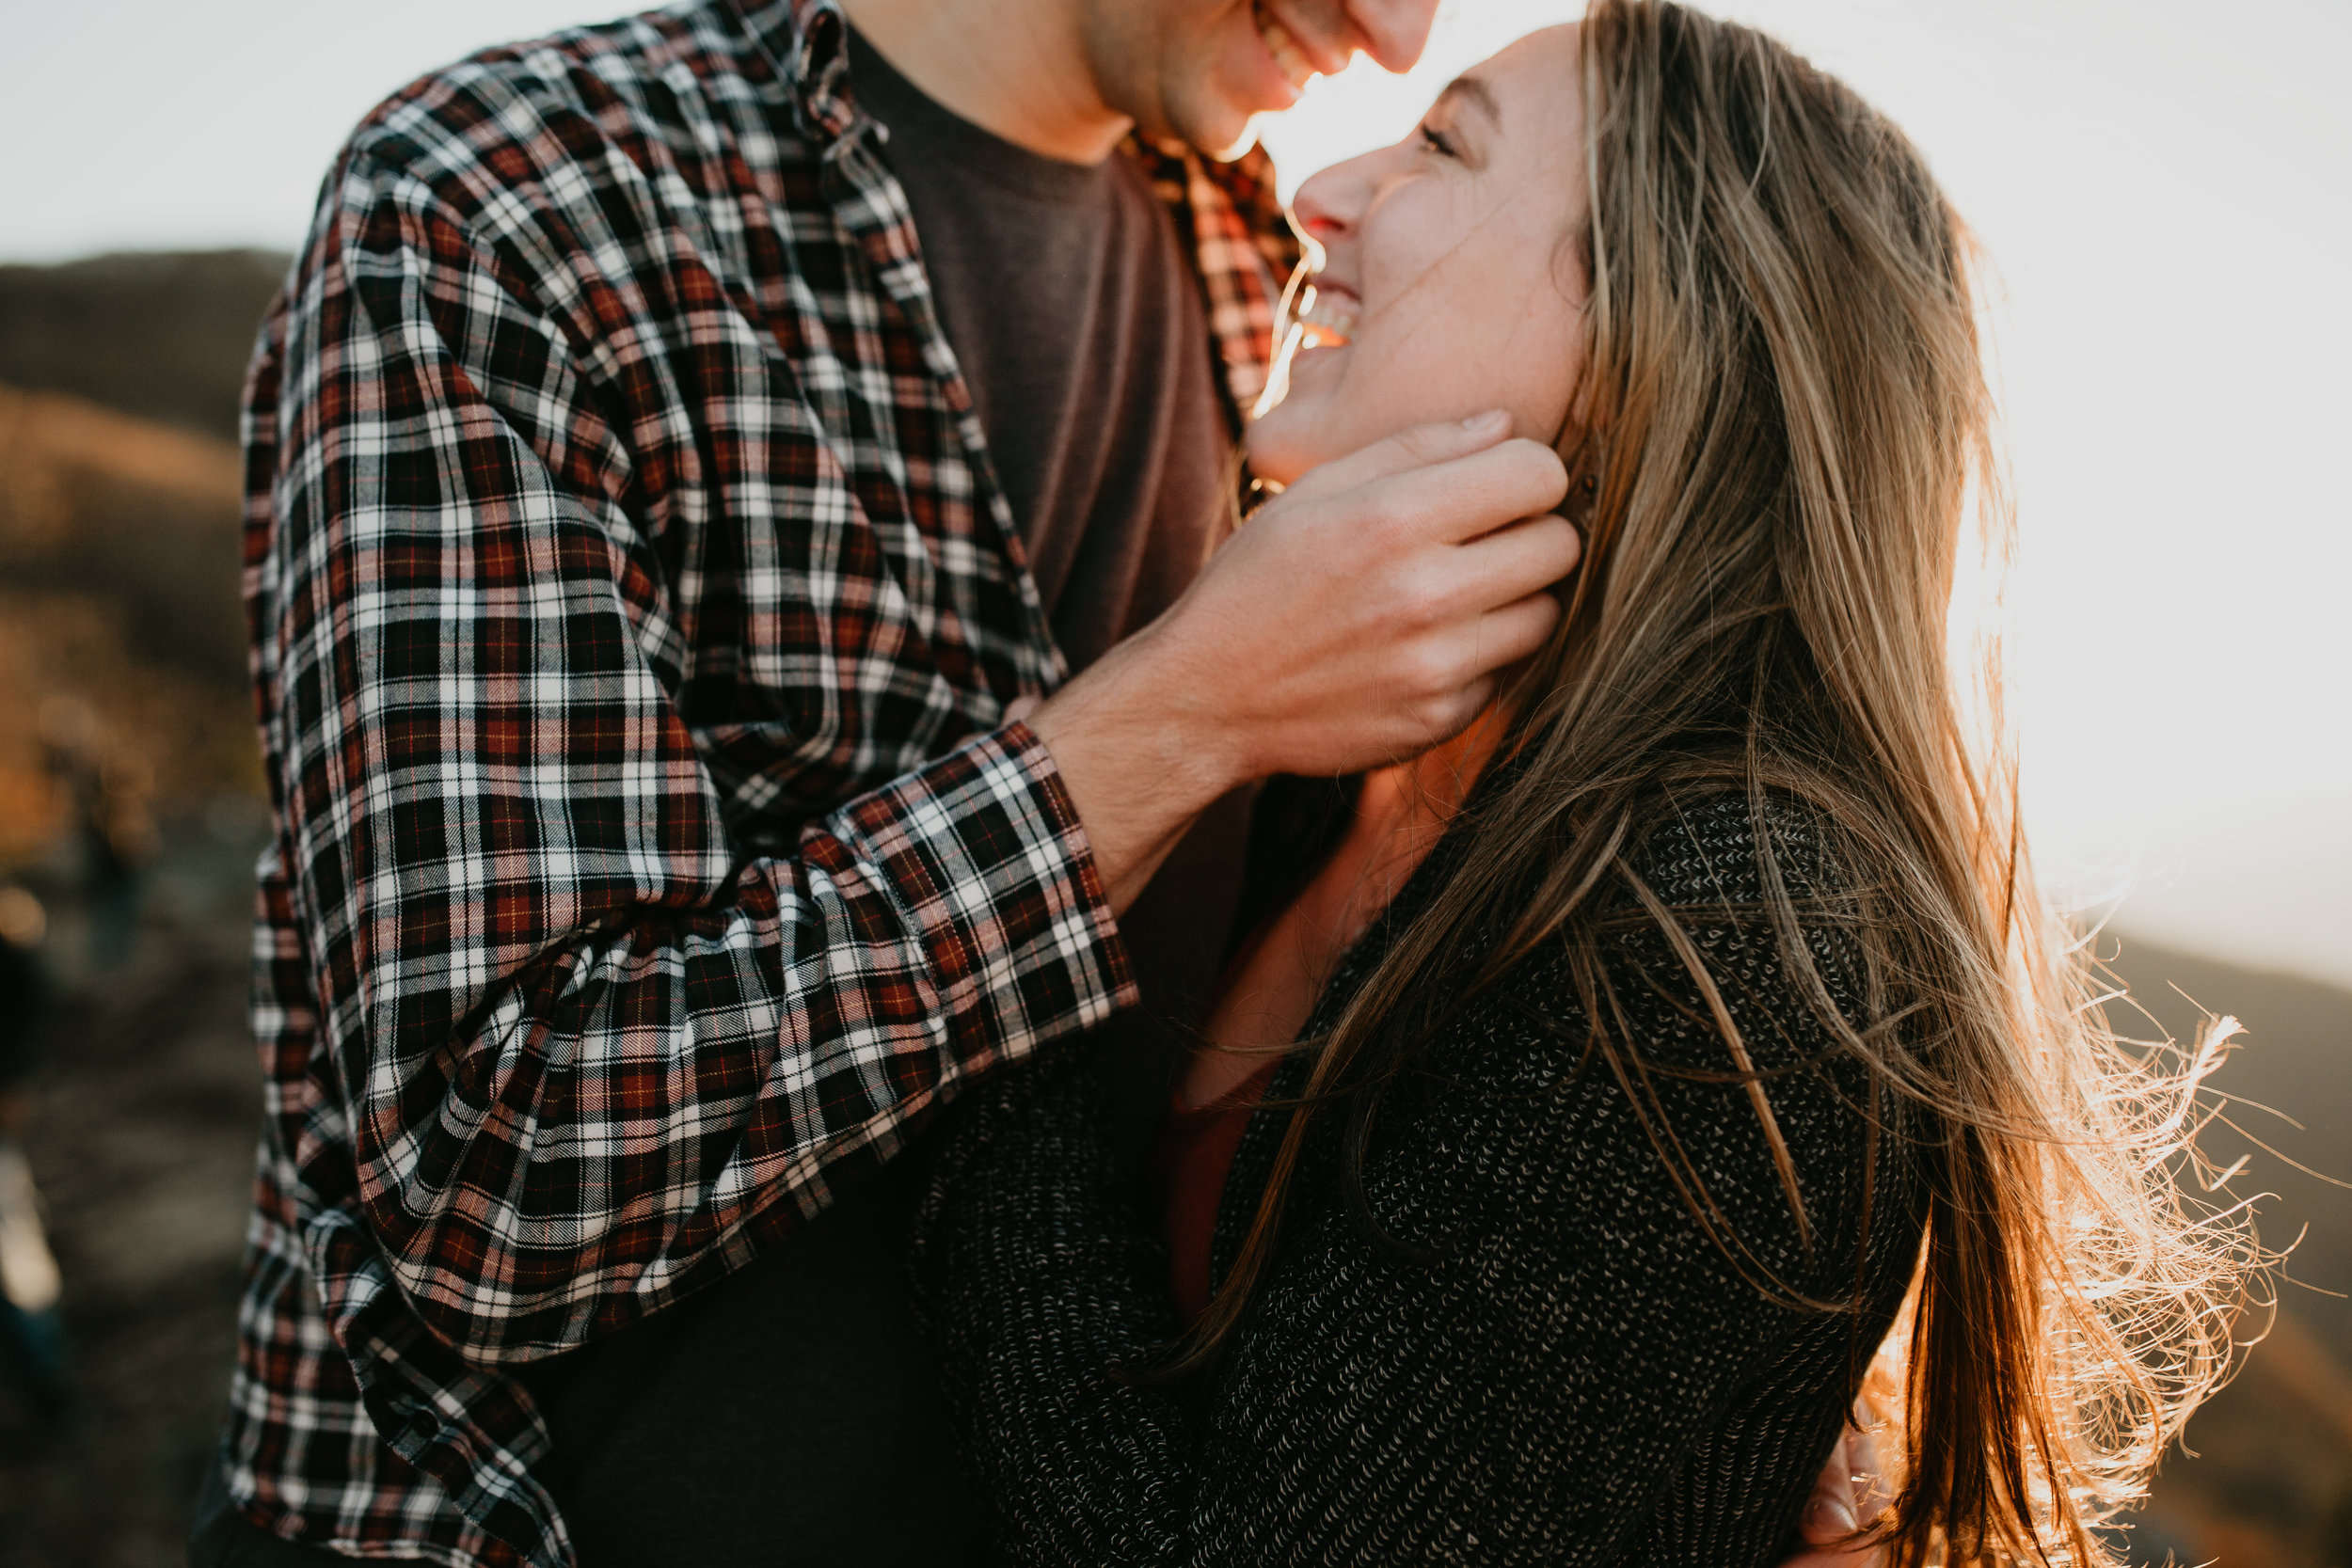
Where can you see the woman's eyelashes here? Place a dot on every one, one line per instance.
(1438, 142)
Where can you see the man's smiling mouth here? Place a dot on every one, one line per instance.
(1290, 56)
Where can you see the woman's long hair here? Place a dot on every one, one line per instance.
(1786, 438)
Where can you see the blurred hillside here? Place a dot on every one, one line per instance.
(2271, 1486)
(119, 579)
(123, 684)
(120, 637)
(164, 335)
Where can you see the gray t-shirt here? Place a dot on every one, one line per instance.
(1066, 293)
(791, 1412)
(1075, 314)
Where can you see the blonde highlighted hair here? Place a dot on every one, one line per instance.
(1785, 435)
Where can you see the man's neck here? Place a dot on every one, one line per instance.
(1017, 68)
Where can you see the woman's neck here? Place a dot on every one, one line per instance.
(1271, 989)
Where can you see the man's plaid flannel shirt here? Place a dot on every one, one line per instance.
(635, 618)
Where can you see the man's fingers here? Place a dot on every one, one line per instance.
(1861, 1557)
(1499, 636)
(1516, 631)
(1835, 1509)
(1872, 1493)
(1830, 1513)
(1465, 497)
(1828, 1520)
(1512, 562)
(1417, 447)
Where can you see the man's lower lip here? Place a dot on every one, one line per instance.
(1282, 94)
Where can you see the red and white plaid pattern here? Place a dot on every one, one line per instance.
(635, 618)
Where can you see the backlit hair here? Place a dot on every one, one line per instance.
(1786, 427)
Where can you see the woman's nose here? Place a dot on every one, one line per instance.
(1327, 204)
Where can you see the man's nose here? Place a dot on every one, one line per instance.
(1393, 31)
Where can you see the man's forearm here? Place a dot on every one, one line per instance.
(1140, 765)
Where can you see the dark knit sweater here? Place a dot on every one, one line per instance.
(1574, 1372)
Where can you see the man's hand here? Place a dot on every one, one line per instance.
(1360, 618)
(1847, 1493)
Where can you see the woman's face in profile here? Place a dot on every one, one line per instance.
(1449, 285)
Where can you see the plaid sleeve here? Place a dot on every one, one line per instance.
(592, 1054)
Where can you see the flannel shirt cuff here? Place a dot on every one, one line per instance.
(985, 856)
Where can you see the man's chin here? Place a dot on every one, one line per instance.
(1232, 148)
(1216, 128)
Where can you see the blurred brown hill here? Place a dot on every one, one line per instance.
(164, 335)
(120, 379)
(118, 595)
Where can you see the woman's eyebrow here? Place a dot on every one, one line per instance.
(1470, 89)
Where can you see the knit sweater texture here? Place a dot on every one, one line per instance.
(1559, 1365)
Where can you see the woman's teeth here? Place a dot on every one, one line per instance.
(1330, 320)
(1290, 59)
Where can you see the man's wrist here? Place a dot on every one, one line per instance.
(1135, 711)
(1140, 755)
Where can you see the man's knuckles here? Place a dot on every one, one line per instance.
(1439, 441)
(1474, 496)
(1517, 478)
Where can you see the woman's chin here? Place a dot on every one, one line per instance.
(1295, 436)
(1276, 454)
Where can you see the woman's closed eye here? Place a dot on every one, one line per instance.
(1438, 142)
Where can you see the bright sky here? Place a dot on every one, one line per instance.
(2163, 184)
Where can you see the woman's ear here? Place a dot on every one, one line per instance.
(1582, 497)
(1580, 453)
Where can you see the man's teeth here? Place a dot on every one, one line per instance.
(1329, 320)
(1292, 60)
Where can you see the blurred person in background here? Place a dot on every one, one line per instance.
(688, 459)
(119, 845)
(32, 1330)
(108, 787)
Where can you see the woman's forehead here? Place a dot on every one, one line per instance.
(1521, 89)
(1540, 58)
(1529, 94)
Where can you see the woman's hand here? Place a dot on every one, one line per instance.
(1847, 1493)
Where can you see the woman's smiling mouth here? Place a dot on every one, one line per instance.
(1327, 317)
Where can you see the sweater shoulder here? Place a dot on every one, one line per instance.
(1711, 848)
(1619, 1033)
(1759, 916)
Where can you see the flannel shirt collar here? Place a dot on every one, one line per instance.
(806, 43)
(1236, 229)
